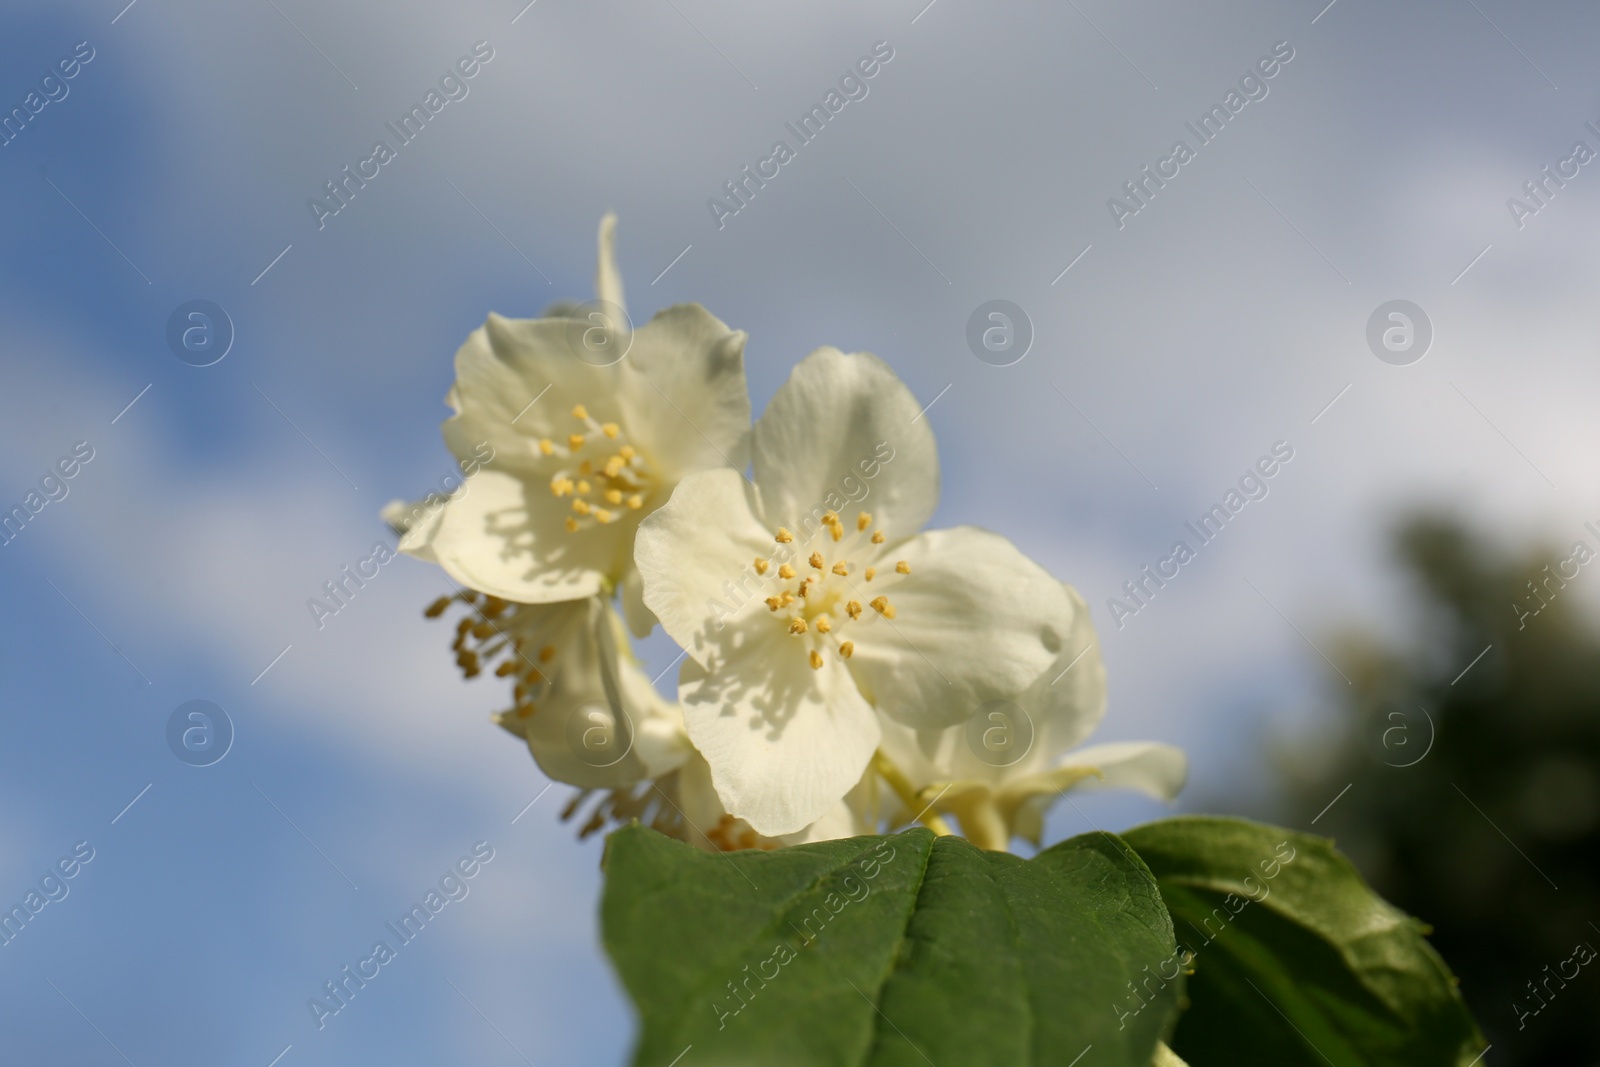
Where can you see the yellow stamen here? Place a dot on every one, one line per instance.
(902, 567)
(571, 524)
(783, 536)
(614, 496)
(869, 572)
(547, 653)
(823, 625)
(626, 452)
(836, 531)
(878, 538)
(505, 668)
(610, 429)
(840, 569)
(816, 660)
(847, 649)
(437, 608)
(881, 605)
(797, 626)
(853, 609)
(581, 507)
(584, 487)
(817, 561)
(614, 466)
(561, 486)
(586, 467)
(787, 598)
(546, 446)
(574, 441)
(636, 502)
(580, 412)
(774, 602)
(761, 565)
(785, 571)
(863, 520)
(602, 515)
(830, 517)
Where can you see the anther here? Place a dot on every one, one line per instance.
(574, 441)
(614, 496)
(841, 570)
(817, 561)
(582, 508)
(761, 567)
(482, 630)
(880, 604)
(785, 571)
(869, 572)
(626, 452)
(437, 608)
(602, 515)
(547, 653)
(823, 625)
(863, 520)
(546, 446)
(505, 668)
(878, 538)
(797, 626)
(847, 649)
(580, 412)
(636, 501)
(610, 429)
(584, 487)
(783, 536)
(816, 660)
(571, 524)
(853, 609)
(774, 602)
(902, 567)
(614, 466)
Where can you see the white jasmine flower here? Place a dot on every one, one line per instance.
(582, 451)
(711, 827)
(803, 620)
(999, 773)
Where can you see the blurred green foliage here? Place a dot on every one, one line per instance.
(1474, 798)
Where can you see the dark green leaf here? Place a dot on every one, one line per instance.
(1296, 960)
(903, 950)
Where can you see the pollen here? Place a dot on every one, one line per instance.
(878, 538)
(546, 446)
(614, 496)
(580, 412)
(816, 660)
(853, 609)
(841, 570)
(626, 452)
(602, 515)
(580, 506)
(882, 606)
(575, 441)
(614, 466)
(508, 667)
(870, 572)
(571, 524)
(774, 602)
(863, 520)
(788, 598)
(561, 486)
(783, 536)
(610, 429)
(902, 567)
(785, 571)
(847, 649)
(761, 565)
(584, 487)
(547, 653)
(636, 501)
(797, 626)
(817, 561)
(823, 625)
(436, 609)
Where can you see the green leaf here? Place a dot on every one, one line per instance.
(903, 950)
(1297, 961)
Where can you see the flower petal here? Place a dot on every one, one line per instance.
(695, 555)
(840, 423)
(975, 620)
(686, 402)
(785, 742)
(1149, 767)
(607, 278)
(500, 535)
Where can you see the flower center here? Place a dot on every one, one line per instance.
(826, 592)
(603, 474)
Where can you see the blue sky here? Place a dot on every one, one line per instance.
(1226, 315)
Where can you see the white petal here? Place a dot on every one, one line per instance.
(502, 536)
(598, 693)
(607, 279)
(1149, 767)
(415, 524)
(1068, 701)
(840, 425)
(839, 822)
(500, 394)
(975, 621)
(696, 557)
(785, 742)
(686, 402)
(630, 591)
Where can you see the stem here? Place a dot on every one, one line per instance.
(908, 795)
